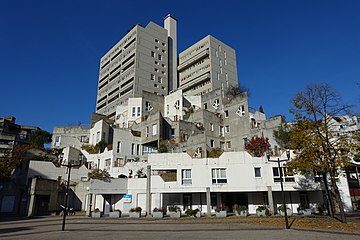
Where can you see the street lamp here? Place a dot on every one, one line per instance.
(69, 166)
(281, 182)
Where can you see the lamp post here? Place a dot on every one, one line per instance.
(69, 166)
(281, 182)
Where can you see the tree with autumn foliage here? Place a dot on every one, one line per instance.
(12, 159)
(318, 148)
(257, 146)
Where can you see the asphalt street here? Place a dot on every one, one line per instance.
(124, 228)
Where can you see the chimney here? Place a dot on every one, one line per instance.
(170, 24)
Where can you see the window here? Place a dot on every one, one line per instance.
(221, 131)
(84, 139)
(138, 149)
(205, 106)
(57, 141)
(226, 113)
(216, 104)
(218, 76)
(148, 106)
(97, 137)
(156, 70)
(107, 163)
(156, 48)
(159, 57)
(159, 80)
(211, 127)
(224, 54)
(276, 174)
(220, 62)
(138, 111)
(221, 70)
(216, 53)
(241, 111)
(222, 145)
(218, 175)
(177, 104)
(228, 145)
(118, 149)
(245, 140)
(157, 41)
(167, 109)
(132, 148)
(152, 54)
(119, 162)
(212, 143)
(226, 76)
(134, 111)
(147, 131)
(186, 177)
(152, 77)
(257, 172)
(154, 129)
(227, 128)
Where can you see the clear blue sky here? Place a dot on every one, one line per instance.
(50, 50)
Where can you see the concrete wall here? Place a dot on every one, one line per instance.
(74, 136)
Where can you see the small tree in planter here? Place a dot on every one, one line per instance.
(262, 211)
(158, 213)
(135, 212)
(241, 210)
(282, 208)
(96, 213)
(193, 213)
(304, 210)
(221, 211)
(115, 214)
(174, 211)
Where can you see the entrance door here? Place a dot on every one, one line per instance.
(230, 199)
(187, 201)
(42, 205)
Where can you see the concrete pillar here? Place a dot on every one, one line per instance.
(208, 201)
(148, 190)
(89, 202)
(271, 200)
(32, 197)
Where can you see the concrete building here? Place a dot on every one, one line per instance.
(74, 136)
(207, 65)
(138, 62)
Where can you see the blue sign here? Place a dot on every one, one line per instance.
(127, 198)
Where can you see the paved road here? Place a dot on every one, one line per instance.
(83, 228)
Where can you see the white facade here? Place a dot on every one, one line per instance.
(100, 131)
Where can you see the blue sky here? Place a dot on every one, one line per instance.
(50, 50)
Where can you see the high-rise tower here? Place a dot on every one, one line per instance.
(137, 63)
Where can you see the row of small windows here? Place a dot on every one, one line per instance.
(154, 130)
(135, 148)
(162, 43)
(204, 45)
(222, 129)
(218, 175)
(222, 144)
(159, 56)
